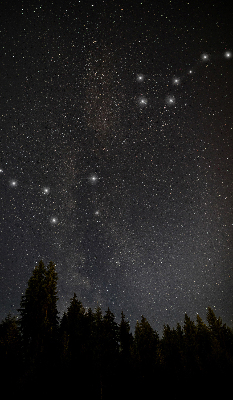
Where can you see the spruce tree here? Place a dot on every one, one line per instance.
(190, 347)
(75, 321)
(171, 354)
(125, 337)
(38, 312)
(204, 345)
(222, 345)
(145, 358)
(214, 323)
(111, 334)
(145, 343)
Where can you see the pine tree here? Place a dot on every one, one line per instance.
(50, 310)
(110, 343)
(145, 341)
(222, 345)
(111, 333)
(214, 323)
(145, 344)
(145, 356)
(190, 347)
(204, 345)
(75, 343)
(38, 312)
(75, 310)
(172, 346)
(125, 359)
(75, 327)
(125, 338)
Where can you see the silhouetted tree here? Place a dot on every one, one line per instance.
(104, 356)
(145, 355)
(75, 343)
(111, 335)
(204, 345)
(125, 373)
(111, 340)
(39, 315)
(222, 345)
(125, 338)
(105, 349)
(191, 357)
(172, 351)
(72, 323)
(145, 343)
(214, 323)
(98, 341)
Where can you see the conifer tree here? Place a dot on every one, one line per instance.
(190, 346)
(172, 344)
(125, 337)
(145, 344)
(214, 323)
(109, 352)
(111, 333)
(50, 283)
(145, 356)
(38, 311)
(125, 349)
(75, 327)
(204, 344)
(222, 344)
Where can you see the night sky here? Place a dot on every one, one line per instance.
(116, 155)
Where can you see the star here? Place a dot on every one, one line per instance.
(140, 78)
(170, 100)
(93, 178)
(54, 220)
(227, 54)
(205, 57)
(13, 183)
(46, 190)
(142, 101)
(176, 81)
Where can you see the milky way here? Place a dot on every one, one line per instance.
(116, 156)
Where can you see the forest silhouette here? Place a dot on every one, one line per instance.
(87, 354)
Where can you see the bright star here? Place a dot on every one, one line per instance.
(54, 220)
(176, 81)
(205, 57)
(142, 101)
(46, 190)
(93, 179)
(13, 183)
(140, 77)
(170, 100)
(228, 54)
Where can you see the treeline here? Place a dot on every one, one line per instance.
(86, 354)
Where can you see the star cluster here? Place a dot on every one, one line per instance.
(116, 155)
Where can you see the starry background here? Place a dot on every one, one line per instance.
(116, 155)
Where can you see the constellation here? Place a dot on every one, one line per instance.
(46, 191)
(170, 99)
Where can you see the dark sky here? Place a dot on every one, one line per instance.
(116, 154)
